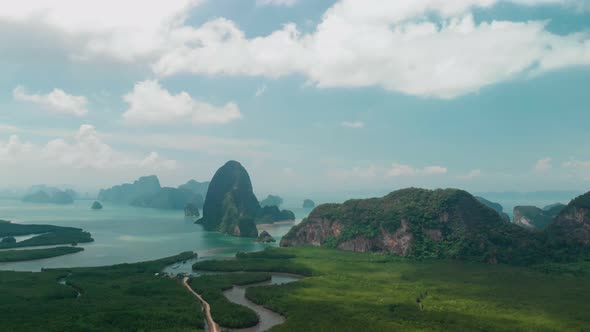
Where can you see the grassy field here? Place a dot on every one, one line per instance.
(370, 292)
(127, 297)
(33, 254)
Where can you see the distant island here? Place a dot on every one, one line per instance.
(231, 206)
(272, 200)
(308, 204)
(55, 197)
(45, 235)
(148, 193)
(96, 206)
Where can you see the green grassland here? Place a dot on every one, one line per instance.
(33, 254)
(349, 291)
(126, 297)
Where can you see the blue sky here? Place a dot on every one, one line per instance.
(311, 96)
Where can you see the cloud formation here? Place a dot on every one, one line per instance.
(85, 150)
(56, 101)
(393, 45)
(416, 47)
(150, 103)
(121, 30)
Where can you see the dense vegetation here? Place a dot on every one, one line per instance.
(126, 297)
(9, 229)
(569, 233)
(226, 313)
(49, 235)
(33, 254)
(423, 223)
(350, 291)
(264, 261)
(53, 238)
(496, 206)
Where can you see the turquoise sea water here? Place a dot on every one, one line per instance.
(126, 234)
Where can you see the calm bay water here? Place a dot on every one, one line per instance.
(126, 234)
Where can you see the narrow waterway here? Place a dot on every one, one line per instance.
(63, 281)
(267, 318)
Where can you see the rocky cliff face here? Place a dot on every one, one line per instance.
(231, 206)
(265, 237)
(415, 222)
(534, 218)
(572, 226)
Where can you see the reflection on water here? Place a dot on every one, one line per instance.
(126, 234)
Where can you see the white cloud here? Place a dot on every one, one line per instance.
(401, 170)
(121, 30)
(471, 175)
(287, 3)
(405, 52)
(352, 124)
(13, 148)
(57, 101)
(86, 150)
(150, 103)
(543, 165)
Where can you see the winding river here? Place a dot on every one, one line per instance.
(268, 318)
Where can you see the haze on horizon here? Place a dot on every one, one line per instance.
(311, 96)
